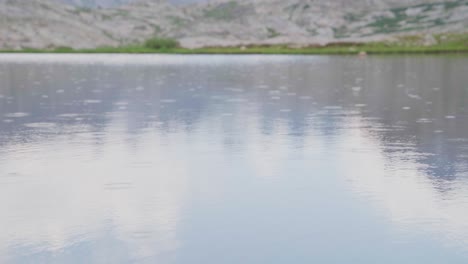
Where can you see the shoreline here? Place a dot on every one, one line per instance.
(252, 51)
(158, 46)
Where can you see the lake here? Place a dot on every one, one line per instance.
(233, 159)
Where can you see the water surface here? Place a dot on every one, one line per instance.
(233, 159)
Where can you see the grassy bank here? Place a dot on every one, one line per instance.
(405, 45)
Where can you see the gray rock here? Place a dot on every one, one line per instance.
(52, 23)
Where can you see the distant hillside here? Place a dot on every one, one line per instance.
(96, 3)
(47, 23)
(115, 3)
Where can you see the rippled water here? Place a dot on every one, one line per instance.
(233, 159)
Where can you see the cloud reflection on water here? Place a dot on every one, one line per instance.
(117, 155)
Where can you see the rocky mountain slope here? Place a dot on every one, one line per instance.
(95, 3)
(51, 23)
(114, 3)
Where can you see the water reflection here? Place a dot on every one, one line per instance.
(200, 159)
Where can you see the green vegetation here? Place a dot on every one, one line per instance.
(120, 12)
(340, 32)
(446, 43)
(291, 9)
(353, 17)
(401, 19)
(63, 49)
(272, 33)
(225, 11)
(77, 10)
(177, 21)
(389, 24)
(161, 44)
